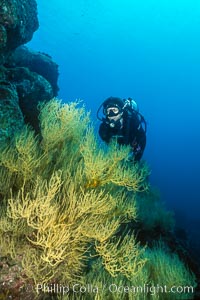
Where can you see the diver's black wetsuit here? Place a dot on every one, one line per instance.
(131, 133)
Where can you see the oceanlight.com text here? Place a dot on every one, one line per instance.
(112, 288)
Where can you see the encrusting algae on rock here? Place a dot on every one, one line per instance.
(64, 201)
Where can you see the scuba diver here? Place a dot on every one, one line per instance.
(123, 121)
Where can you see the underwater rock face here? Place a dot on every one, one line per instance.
(18, 22)
(27, 77)
(31, 89)
(38, 62)
(10, 113)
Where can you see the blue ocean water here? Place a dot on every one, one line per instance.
(148, 50)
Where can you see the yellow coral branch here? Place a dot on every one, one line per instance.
(122, 256)
(109, 166)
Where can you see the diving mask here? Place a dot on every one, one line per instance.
(112, 111)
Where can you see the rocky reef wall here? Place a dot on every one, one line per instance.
(27, 77)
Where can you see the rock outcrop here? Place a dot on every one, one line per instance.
(18, 22)
(26, 77)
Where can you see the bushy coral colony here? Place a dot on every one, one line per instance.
(71, 212)
(78, 220)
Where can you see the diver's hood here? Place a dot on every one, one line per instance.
(110, 102)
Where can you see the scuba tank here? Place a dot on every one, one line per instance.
(132, 108)
(131, 104)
